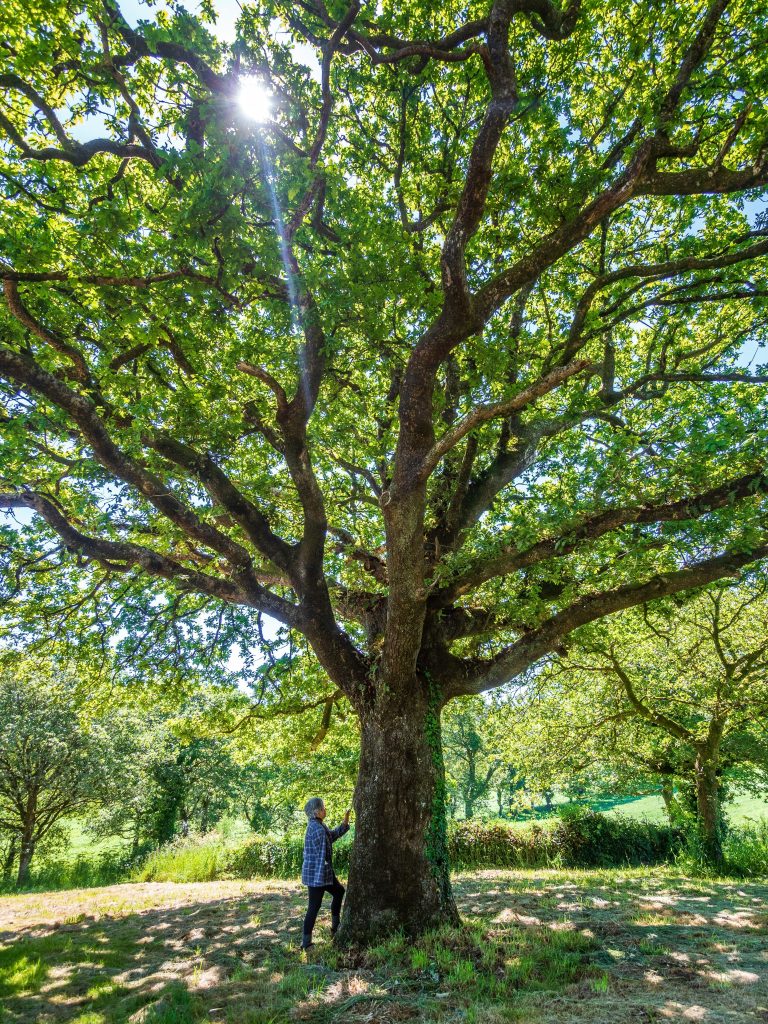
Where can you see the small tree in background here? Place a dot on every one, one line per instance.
(471, 764)
(675, 690)
(51, 765)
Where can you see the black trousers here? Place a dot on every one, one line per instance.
(316, 893)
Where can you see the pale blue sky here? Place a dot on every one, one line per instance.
(227, 11)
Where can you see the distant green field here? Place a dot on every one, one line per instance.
(84, 842)
(742, 808)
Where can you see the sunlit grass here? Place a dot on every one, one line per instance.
(531, 940)
(20, 973)
(189, 861)
(649, 947)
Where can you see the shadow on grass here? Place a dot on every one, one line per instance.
(176, 962)
(536, 947)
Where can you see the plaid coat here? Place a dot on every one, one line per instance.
(317, 868)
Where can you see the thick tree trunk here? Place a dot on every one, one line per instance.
(26, 853)
(708, 812)
(469, 807)
(399, 872)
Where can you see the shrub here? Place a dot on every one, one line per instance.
(745, 852)
(279, 856)
(577, 838)
(477, 844)
(585, 838)
(189, 859)
(746, 849)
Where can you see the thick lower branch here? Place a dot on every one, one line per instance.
(514, 559)
(119, 556)
(478, 676)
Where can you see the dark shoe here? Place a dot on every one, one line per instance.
(334, 925)
(306, 942)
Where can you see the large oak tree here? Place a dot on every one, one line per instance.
(444, 357)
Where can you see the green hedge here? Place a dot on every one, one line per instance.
(280, 857)
(577, 838)
(478, 844)
(746, 849)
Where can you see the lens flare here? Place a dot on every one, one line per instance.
(255, 99)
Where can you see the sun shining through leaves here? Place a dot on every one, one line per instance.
(255, 99)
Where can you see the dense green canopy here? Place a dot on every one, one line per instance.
(144, 272)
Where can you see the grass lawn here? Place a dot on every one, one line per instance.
(742, 808)
(609, 947)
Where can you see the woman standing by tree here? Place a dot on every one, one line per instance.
(317, 870)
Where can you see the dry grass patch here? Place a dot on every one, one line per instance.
(538, 947)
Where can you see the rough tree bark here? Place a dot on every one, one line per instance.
(26, 851)
(709, 816)
(399, 871)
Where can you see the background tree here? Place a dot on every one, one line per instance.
(171, 786)
(678, 692)
(473, 765)
(131, 813)
(509, 789)
(445, 353)
(51, 765)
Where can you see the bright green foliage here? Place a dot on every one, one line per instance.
(52, 764)
(192, 203)
(292, 747)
